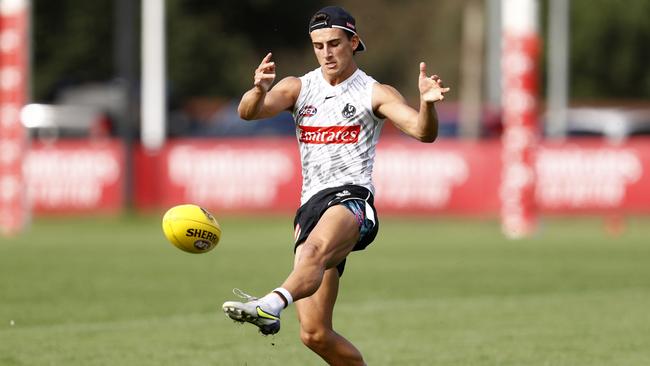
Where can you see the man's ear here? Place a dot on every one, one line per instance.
(355, 42)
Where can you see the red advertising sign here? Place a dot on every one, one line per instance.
(14, 25)
(586, 176)
(594, 177)
(263, 175)
(447, 177)
(234, 175)
(76, 176)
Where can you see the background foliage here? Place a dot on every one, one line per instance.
(213, 46)
(609, 49)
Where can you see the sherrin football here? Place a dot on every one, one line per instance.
(191, 228)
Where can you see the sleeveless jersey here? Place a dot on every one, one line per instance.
(337, 132)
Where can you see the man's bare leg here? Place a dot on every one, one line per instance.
(316, 330)
(327, 245)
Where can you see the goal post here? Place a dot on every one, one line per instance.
(14, 76)
(519, 66)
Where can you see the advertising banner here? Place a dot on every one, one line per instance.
(257, 176)
(235, 175)
(76, 176)
(445, 177)
(594, 177)
(263, 175)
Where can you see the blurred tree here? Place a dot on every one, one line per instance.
(213, 46)
(401, 34)
(610, 49)
(70, 44)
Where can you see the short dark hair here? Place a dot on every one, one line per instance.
(322, 17)
(336, 17)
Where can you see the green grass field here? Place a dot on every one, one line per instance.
(427, 292)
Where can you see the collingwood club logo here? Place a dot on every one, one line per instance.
(348, 111)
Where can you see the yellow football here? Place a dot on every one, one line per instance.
(191, 228)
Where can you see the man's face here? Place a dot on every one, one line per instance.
(333, 49)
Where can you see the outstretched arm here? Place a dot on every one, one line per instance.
(262, 101)
(421, 124)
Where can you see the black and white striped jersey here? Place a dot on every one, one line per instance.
(337, 132)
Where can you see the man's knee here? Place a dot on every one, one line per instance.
(316, 338)
(311, 251)
(323, 251)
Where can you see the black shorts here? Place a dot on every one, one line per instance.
(357, 199)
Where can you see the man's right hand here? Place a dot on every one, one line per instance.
(265, 74)
(431, 87)
(261, 101)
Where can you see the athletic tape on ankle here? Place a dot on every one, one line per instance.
(286, 296)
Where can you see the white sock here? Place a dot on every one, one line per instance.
(275, 302)
(285, 294)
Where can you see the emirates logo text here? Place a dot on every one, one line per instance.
(329, 134)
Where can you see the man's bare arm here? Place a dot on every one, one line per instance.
(262, 101)
(421, 124)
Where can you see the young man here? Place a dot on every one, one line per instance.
(339, 112)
